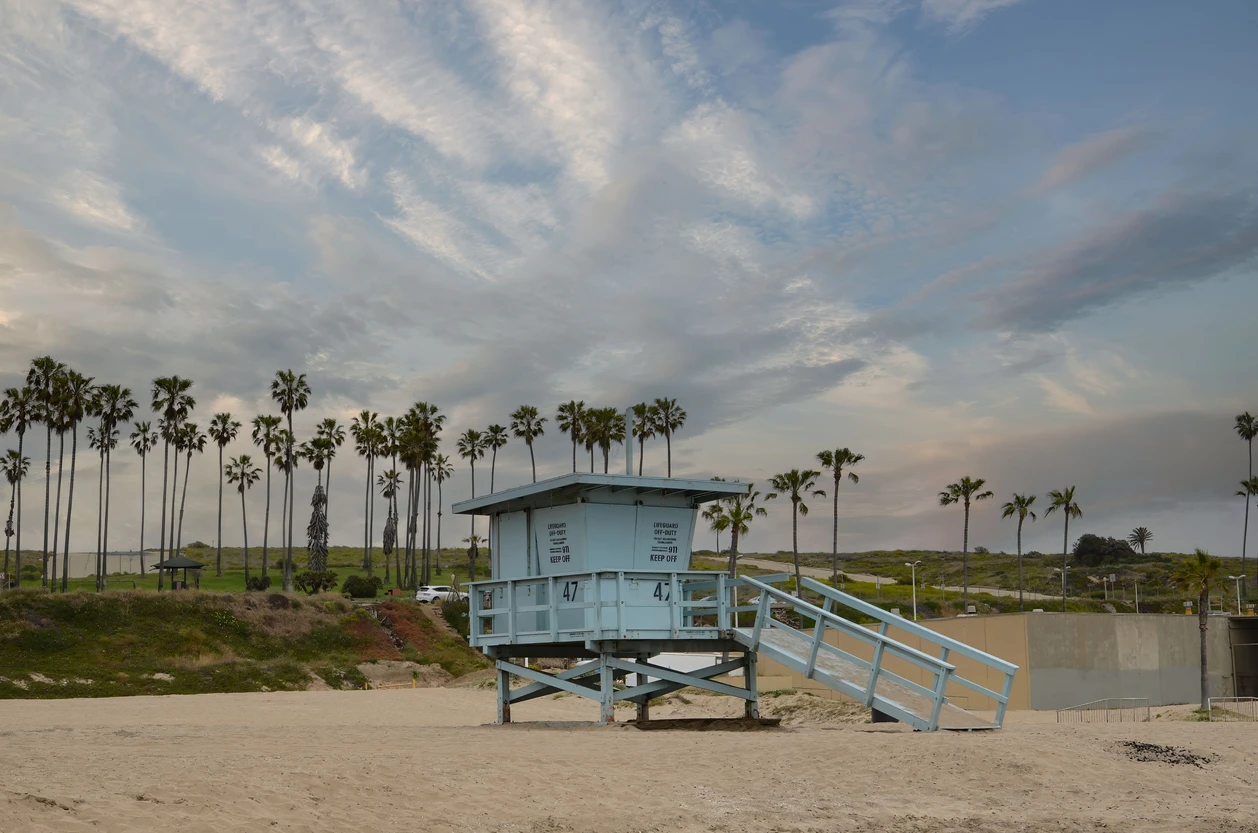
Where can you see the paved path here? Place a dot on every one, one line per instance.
(826, 572)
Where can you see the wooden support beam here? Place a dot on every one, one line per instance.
(681, 677)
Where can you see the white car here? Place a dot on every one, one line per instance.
(432, 594)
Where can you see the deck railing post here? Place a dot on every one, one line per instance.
(553, 612)
(473, 620)
(1004, 703)
(751, 706)
(597, 624)
(876, 667)
(620, 605)
(511, 610)
(817, 637)
(722, 608)
(674, 591)
(761, 614)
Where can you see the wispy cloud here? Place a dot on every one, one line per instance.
(959, 16)
(1093, 154)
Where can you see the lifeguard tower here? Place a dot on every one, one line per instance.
(597, 568)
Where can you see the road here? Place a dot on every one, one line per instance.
(825, 573)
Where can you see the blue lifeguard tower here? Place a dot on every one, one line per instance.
(597, 568)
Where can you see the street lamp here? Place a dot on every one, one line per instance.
(913, 580)
(1238, 580)
(1063, 585)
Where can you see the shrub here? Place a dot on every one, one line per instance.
(1094, 550)
(361, 587)
(258, 583)
(30, 572)
(199, 545)
(315, 581)
(981, 551)
(455, 614)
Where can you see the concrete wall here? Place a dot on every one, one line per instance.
(1063, 659)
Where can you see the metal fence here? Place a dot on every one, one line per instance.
(1111, 710)
(1233, 709)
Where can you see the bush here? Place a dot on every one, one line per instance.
(315, 581)
(361, 587)
(30, 572)
(199, 545)
(981, 551)
(258, 583)
(455, 614)
(1093, 550)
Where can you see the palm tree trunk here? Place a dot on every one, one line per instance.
(56, 521)
(266, 519)
(591, 459)
(1245, 538)
(47, 493)
(428, 523)
(327, 494)
(218, 564)
(367, 521)
(21, 439)
(835, 540)
(574, 456)
(1021, 605)
(104, 547)
(532, 460)
(174, 495)
(292, 489)
(183, 501)
(283, 522)
(8, 527)
(668, 441)
(606, 460)
(1065, 539)
(799, 581)
(425, 489)
(965, 562)
(100, 520)
(161, 547)
(1203, 610)
(642, 455)
(143, 484)
(439, 524)
(244, 528)
(74, 454)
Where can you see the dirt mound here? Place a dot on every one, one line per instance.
(393, 672)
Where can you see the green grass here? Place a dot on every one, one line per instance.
(139, 642)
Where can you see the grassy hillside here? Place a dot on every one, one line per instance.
(137, 642)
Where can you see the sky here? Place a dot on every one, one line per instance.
(1009, 239)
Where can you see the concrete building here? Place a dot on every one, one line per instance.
(1073, 658)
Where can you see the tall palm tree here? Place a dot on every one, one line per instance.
(965, 491)
(266, 431)
(318, 452)
(364, 429)
(42, 377)
(471, 446)
(495, 438)
(1141, 536)
(528, 426)
(104, 441)
(836, 461)
(796, 484)
(603, 427)
(390, 482)
(285, 460)
(143, 440)
(473, 550)
(717, 520)
(1198, 575)
(78, 397)
(332, 431)
(1064, 499)
(15, 468)
(418, 446)
(1019, 505)
(60, 417)
(443, 470)
(740, 511)
(1247, 428)
(645, 418)
(194, 440)
(430, 421)
(173, 403)
(292, 393)
(19, 410)
(669, 418)
(569, 418)
(243, 474)
(222, 430)
(115, 406)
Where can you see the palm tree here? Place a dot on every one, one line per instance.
(603, 427)
(292, 393)
(717, 521)
(836, 461)
(429, 421)
(78, 399)
(243, 474)
(19, 410)
(104, 441)
(266, 428)
(15, 467)
(390, 482)
(1064, 499)
(1247, 427)
(528, 426)
(1198, 575)
(60, 418)
(964, 491)
(194, 439)
(365, 430)
(143, 440)
(1019, 505)
(115, 405)
(569, 418)
(173, 402)
(42, 378)
(1141, 536)
(797, 485)
(669, 418)
(285, 460)
(223, 429)
(645, 418)
(318, 451)
(495, 438)
(740, 511)
(471, 446)
(332, 431)
(473, 550)
(443, 470)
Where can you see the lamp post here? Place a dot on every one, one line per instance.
(913, 579)
(1063, 585)
(1238, 580)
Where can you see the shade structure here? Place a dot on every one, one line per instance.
(180, 562)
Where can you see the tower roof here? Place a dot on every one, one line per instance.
(569, 488)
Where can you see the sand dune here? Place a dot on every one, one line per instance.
(422, 759)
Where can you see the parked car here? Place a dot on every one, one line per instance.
(433, 594)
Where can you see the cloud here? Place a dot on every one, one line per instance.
(95, 201)
(1179, 240)
(960, 16)
(1060, 398)
(1093, 154)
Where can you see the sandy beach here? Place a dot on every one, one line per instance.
(425, 759)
